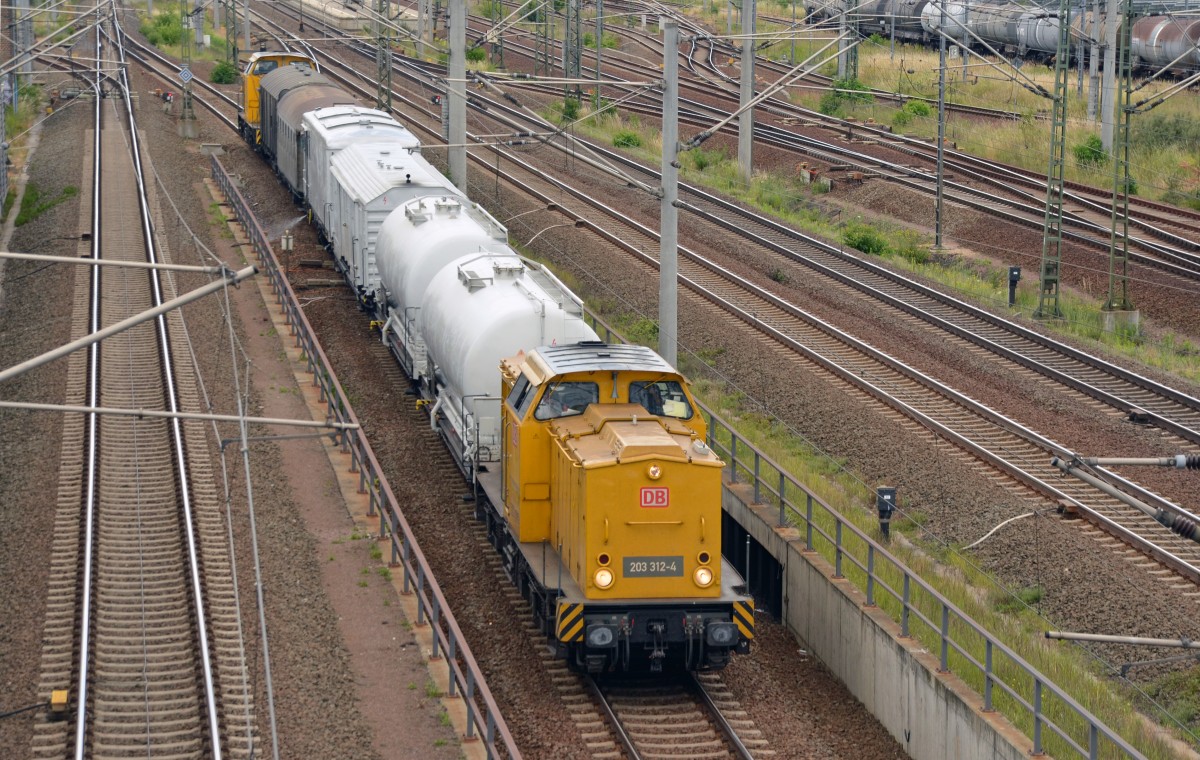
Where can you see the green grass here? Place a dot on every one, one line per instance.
(34, 203)
(1179, 692)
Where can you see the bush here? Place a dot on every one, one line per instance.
(476, 54)
(224, 73)
(164, 30)
(627, 139)
(570, 108)
(902, 118)
(844, 91)
(1090, 152)
(853, 91)
(831, 104)
(865, 238)
(918, 108)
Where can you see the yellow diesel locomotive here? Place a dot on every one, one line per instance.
(608, 511)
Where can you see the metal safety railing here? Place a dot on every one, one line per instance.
(1007, 682)
(484, 720)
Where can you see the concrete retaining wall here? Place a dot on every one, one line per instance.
(935, 716)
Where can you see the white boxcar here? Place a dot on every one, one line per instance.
(329, 130)
(477, 311)
(413, 245)
(370, 182)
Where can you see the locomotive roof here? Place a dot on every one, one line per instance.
(609, 357)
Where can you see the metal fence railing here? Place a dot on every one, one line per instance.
(484, 720)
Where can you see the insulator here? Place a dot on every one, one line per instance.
(1191, 461)
(1187, 528)
(1180, 525)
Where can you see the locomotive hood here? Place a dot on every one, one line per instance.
(611, 434)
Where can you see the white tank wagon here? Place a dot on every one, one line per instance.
(1158, 41)
(371, 181)
(325, 132)
(423, 237)
(477, 311)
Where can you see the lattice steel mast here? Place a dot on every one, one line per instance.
(1118, 253)
(383, 57)
(1048, 307)
(543, 42)
(572, 48)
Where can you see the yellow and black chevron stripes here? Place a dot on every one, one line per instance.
(743, 615)
(570, 622)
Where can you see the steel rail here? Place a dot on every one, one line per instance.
(176, 424)
(614, 723)
(1174, 260)
(731, 735)
(1009, 172)
(92, 441)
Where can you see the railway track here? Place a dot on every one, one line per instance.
(142, 630)
(692, 716)
(977, 431)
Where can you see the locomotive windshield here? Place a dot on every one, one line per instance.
(521, 396)
(664, 398)
(566, 400)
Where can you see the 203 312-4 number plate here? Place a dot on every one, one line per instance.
(653, 567)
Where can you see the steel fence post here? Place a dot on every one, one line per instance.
(870, 575)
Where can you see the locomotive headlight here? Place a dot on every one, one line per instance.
(603, 578)
(703, 577)
(601, 636)
(722, 634)
(655, 472)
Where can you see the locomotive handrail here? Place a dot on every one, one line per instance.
(466, 678)
(962, 642)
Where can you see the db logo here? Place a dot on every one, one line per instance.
(656, 497)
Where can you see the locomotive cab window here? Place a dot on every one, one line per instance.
(665, 398)
(521, 396)
(566, 400)
(265, 67)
